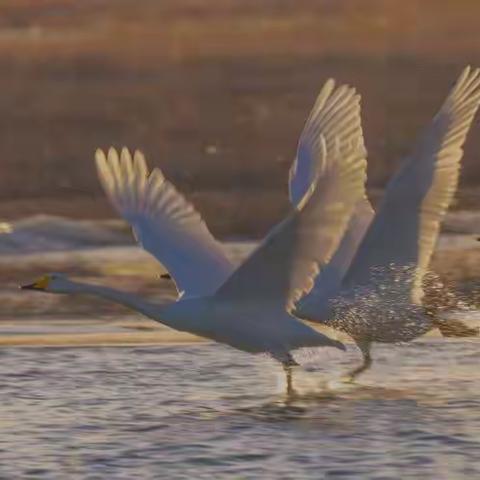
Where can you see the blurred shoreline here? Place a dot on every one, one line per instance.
(237, 206)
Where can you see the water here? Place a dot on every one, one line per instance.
(205, 411)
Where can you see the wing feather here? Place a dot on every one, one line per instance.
(405, 229)
(283, 266)
(336, 116)
(164, 223)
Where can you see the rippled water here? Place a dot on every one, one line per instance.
(204, 411)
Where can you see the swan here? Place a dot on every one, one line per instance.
(250, 309)
(379, 298)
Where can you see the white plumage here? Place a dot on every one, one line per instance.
(286, 262)
(335, 116)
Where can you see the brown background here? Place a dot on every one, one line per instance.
(215, 92)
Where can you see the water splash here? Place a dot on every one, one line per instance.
(382, 310)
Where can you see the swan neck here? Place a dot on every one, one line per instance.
(129, 300)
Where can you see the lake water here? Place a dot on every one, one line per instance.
(205, 411)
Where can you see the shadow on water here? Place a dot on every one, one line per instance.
(300, 405)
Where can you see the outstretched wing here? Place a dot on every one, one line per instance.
(336, 116)
(283, 266)
(405, 229)
(163, 222)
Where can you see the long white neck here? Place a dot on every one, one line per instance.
(129, 300)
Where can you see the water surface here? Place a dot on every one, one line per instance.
(205, 411)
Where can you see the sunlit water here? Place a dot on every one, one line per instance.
(205, 411)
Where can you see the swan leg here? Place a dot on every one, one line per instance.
(288, 362)
(289, 378)
(367, 362)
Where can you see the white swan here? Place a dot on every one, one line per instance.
(380, 297)
(250, 310)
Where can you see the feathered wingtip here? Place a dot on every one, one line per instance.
(336, 113)
(114, 170)
(134, 191)
(465, 87)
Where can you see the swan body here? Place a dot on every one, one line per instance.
(248, 327)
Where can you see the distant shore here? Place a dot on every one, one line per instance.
(237, 205)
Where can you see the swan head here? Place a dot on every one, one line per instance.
(52, 282)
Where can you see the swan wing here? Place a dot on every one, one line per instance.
(163, 222)
(336, 116)
(315, 304)
(403, 234)
(282, 267)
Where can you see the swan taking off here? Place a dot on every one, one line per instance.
(380, 297)
(170, 229)
(250, 310)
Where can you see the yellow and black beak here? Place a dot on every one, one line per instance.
(40, 284)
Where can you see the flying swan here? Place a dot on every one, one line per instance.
(250, 310)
